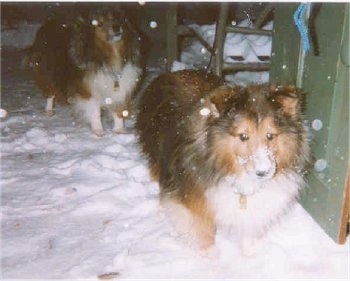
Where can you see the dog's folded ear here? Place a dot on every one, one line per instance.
(223, 99)
(78, 46)
(289, 98)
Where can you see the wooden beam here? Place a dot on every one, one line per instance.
(171, 35)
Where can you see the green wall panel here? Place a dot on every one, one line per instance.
(325, 78)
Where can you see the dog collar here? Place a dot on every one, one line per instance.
(116, 81)
(243, 197)
(243, 202)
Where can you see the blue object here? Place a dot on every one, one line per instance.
(299, 20)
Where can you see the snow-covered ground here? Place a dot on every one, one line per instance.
(75, 206)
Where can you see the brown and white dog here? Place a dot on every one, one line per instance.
(230, 157)
(92, 61)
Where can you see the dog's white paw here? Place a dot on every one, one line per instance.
(120, 131)
(49, 113)
(98, 132)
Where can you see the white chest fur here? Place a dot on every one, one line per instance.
(261, 209)
(107, 92)
(111, 88)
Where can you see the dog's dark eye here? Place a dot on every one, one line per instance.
(243, 137)
(269, 136)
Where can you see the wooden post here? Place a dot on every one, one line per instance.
(220, 36)
(171, 34)
(285, 45)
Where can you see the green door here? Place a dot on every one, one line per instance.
(324, 75)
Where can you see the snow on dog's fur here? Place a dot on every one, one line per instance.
(230, 157)
(92, 61)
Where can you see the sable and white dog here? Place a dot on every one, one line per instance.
(92, 62)
(229, 157)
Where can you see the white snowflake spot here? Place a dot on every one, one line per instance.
(108, 100)
(205, 111)
(125, 113)
(153, 24)
(320, 165)
(317, 124)
(94, 22)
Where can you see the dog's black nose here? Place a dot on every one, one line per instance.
(261, 174)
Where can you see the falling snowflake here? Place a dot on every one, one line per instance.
(205, 111)
(108, 100)
(153, 24)
(320, 165)
(317, 124)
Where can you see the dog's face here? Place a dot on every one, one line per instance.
(106, 25)
(96, 39)
(258, 132)
(254, 146)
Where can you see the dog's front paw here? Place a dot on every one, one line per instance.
(98, 132)
(49, 113)
(119, 131)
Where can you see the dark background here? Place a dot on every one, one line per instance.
(14, 13)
